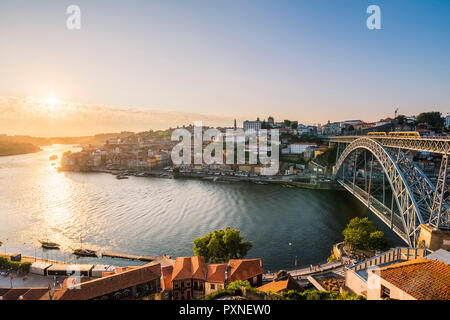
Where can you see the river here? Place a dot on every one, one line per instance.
(152, 216)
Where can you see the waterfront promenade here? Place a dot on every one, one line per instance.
(303, 273)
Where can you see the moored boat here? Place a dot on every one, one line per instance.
(85, 252)
(48, 244)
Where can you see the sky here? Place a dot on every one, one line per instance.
(136, 65)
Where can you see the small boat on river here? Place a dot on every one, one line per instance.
(48, 244)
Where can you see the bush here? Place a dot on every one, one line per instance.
(221, 293)
(318, 295)
(5, 263)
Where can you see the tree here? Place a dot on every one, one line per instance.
(360, 233)
(401, 119)
(377, 241)
(287, 123)
(236, 285)
(434, 119)
(222, 245)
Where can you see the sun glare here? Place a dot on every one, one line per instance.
(51, 102)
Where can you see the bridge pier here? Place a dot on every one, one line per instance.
(433, 238)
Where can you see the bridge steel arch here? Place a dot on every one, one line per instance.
(413, 192)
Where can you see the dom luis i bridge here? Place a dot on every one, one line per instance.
(379, 171)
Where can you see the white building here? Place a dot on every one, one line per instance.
(252, 125)
(301, 147)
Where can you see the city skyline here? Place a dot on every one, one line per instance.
(161, 64)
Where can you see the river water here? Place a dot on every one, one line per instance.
(151, 216)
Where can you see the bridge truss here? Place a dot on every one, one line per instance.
(382, 175)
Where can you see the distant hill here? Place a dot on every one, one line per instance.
(9, 149)
(41, 141)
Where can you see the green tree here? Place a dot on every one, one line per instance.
(434, 119)
(236, 285)
(287, 123)
(222, 245)
(377, 241)
(401, 119)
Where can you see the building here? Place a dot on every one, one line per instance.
(192, 278)
(301, 147)
(282, 285)
(215, 277)
(332, 129)
(447, 121)
(188, 278)
(419, 279)
(402, 273)
(252, 125)
(122, 283)
(24, 293)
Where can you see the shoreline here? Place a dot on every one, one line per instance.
(324, 183)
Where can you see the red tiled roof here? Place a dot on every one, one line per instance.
(283, 285)
(421, 278)
(189, 268)
(36, 294)
(111, 283)
(243, 269)
(15, 293)
(216, 273)
(166, 278)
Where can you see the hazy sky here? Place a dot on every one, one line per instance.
(310, 61)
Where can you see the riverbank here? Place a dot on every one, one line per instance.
(306, 181)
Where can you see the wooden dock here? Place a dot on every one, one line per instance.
(132, 257)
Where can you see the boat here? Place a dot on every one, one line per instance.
(49, 245)
(259, 182)
(84, 252)
(120, 177)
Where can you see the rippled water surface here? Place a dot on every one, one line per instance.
(151, 216)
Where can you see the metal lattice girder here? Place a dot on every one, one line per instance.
(413, 192)
(440, 214)
(439, 145)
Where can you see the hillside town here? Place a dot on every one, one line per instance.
(305, 153)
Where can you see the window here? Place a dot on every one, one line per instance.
(188, 284)
(213, 287)
(175, 285)
(385, 292)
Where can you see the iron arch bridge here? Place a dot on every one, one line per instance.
(383, 176)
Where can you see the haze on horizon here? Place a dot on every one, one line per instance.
(138, 65)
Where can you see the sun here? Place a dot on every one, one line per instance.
(51, 103)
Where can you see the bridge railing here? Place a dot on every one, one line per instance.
(397, 254)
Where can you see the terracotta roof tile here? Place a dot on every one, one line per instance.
(283, 285)
(166, 278)
(421, 278)
(111, 283)
(189, 268)
(216, 273)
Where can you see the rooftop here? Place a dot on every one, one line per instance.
(421, 278)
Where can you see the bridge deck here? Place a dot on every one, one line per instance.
(428, 144)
